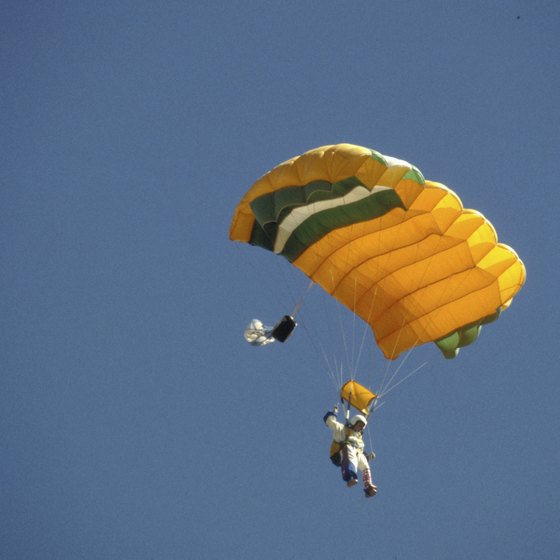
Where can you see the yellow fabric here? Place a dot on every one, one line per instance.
(329, 163)
(418, 274)
(357, 395)
(415, 274)
(334, 448)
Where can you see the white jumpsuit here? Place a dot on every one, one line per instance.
(352, 447)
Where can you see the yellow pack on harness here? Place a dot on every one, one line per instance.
(335, 453)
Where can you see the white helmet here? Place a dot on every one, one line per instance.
(358, 418)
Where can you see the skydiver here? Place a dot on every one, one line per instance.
(347, 450)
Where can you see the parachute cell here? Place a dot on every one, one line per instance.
(399, 251)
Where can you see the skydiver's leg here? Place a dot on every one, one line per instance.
(366, 478)
(349, 465)
(370, 489)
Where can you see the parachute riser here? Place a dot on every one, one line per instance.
(346, 409)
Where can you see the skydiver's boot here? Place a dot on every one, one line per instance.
(351, 482)
(350, 477)
(370, 489)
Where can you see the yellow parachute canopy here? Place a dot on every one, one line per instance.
(399, 251)
(357, 395)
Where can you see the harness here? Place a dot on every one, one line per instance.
(335, 451)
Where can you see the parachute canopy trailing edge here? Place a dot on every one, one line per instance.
(398, 250)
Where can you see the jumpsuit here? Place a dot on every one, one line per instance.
(352, 448)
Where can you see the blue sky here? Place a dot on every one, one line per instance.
(136, 422)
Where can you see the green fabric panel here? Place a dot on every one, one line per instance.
(317, 192)
(269, 210)
(378, 157)
(415, 175)
(263, 209)
(274, 206)
(316, 226)
(450, 344)
(468, 335)
(260, 238)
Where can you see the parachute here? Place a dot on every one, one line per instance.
(398, 250)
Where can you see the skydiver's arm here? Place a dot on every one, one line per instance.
(332, 422)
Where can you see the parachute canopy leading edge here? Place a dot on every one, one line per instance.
(399, 251)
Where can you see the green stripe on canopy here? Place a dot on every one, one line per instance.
(270, 209)
(321, 223)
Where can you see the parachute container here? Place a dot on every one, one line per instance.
(357, 395)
